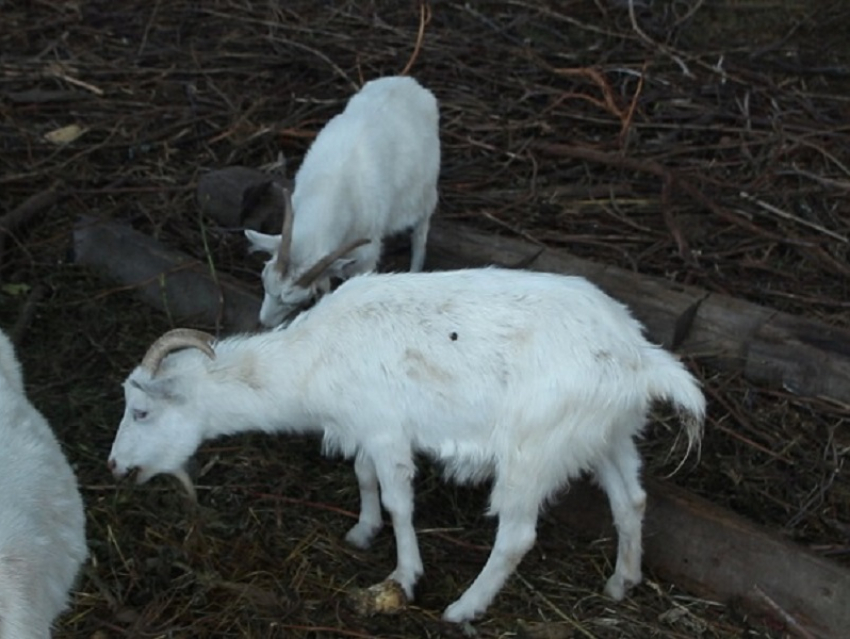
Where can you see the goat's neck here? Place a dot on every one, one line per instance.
(244, 392)
(316, 233)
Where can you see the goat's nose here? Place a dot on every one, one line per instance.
(113, 466)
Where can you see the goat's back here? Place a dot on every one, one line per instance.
(464, 360)
(522, 315)
(374, 166)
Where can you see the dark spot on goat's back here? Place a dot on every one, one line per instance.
(453, 336)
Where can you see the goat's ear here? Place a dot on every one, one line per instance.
(262, 242)
(340, 268)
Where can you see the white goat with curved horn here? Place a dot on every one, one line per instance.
(525, 378)
(371, 172)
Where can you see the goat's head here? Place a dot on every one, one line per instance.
(159, 431)
(289, 288)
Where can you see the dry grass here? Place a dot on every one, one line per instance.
(702, 106)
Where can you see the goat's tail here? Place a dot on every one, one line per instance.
(669, 380)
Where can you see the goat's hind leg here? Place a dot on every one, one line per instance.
(370, 522)
(515, 536)
(619, 475)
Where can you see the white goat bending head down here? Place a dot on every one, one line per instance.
(287, 288)
(371, 172)
(526, 378)
(160, 408)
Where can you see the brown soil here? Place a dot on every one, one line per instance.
(747, 101)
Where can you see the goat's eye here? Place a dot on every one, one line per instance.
(139, 415)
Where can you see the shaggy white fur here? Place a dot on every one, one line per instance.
(42, 523)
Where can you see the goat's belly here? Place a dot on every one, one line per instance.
(464, 463)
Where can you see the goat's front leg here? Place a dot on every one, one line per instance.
(397, 496)
(370, 522)
(418, 241)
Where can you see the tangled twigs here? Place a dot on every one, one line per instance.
(669, 176)
(664, 49)
(609, 102)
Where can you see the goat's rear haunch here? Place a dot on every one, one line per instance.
(524, 378)
(42, 518)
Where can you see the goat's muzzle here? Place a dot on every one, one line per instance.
(117, 472)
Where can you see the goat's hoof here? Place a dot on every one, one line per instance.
(385, 598)
(361, 536)
(459, 613)
(617, 586)
(407, 579)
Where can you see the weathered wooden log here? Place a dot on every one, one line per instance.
(23, 213)
(181, 286)
(804, 356)
(688, 540)
(712, 552)
(238, 196)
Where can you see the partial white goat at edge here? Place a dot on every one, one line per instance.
(371, 172)
(525, 378)
(42, 522)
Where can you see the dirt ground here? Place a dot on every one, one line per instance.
(113, 110)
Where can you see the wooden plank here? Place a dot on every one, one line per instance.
(804, 356)
(688, 540)
(714, 553)
(722, 555)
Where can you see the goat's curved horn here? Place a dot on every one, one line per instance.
(175, 340)
(315, 271)
(283, 193)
